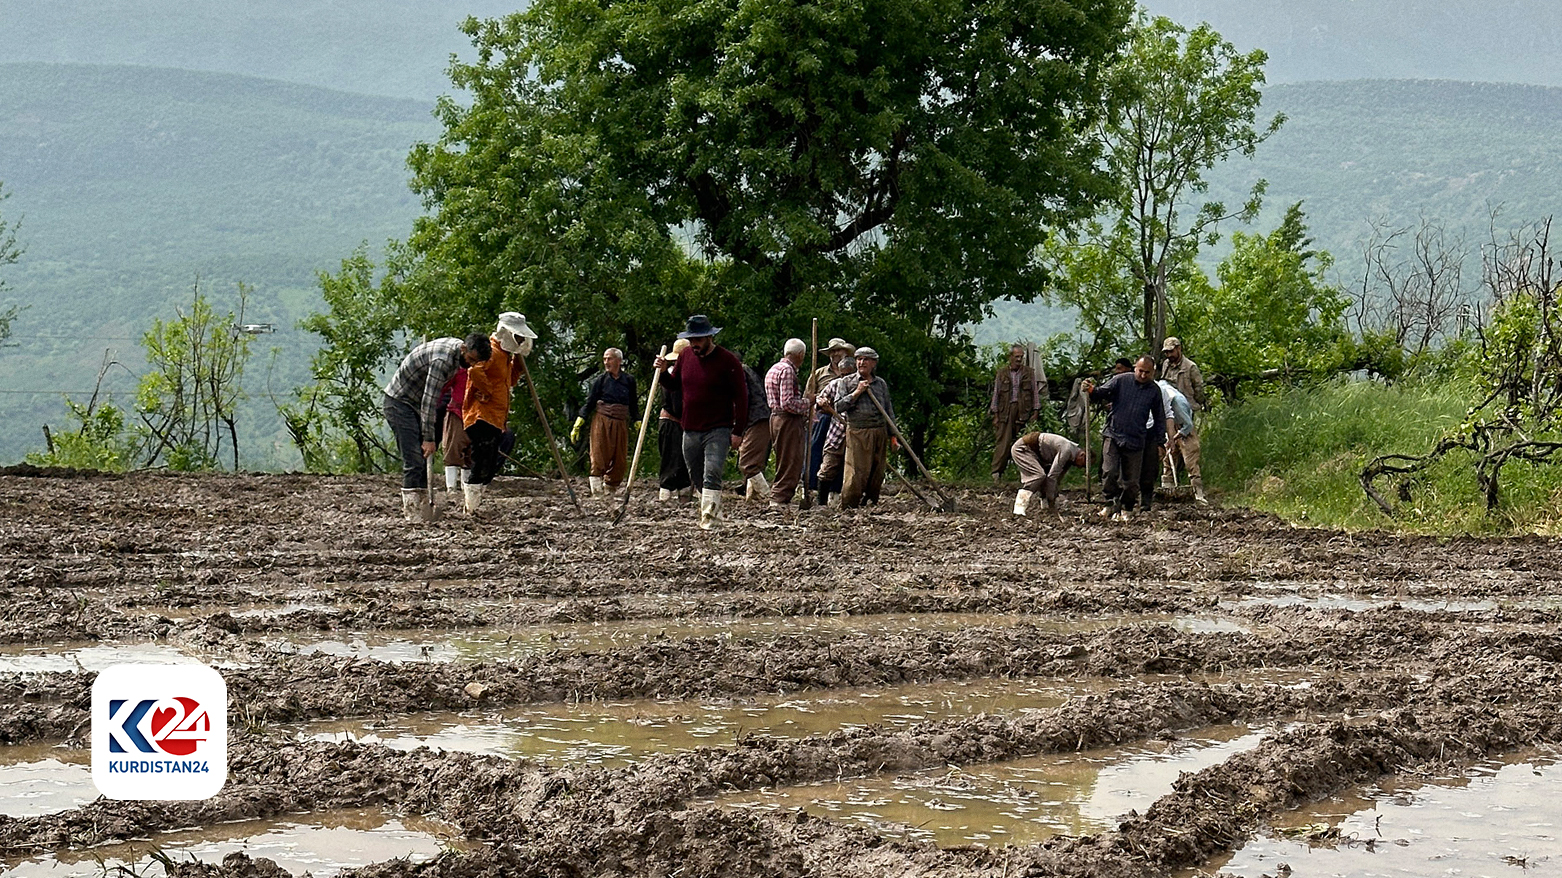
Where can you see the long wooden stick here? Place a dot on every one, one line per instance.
(547, 430)
(949, 503)
(1086, 439)
(428, 467)
(807, 501)
(645, 427)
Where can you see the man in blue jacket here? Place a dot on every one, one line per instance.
(1135, 428)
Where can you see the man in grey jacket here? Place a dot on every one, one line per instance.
(867, 429)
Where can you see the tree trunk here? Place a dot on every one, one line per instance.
(1155, 311)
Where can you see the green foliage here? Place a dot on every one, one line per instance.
(1518, 377)
(1272, 309)
(336, 420)
(1299, 452)
(189, 397)
(1190, 102)
(889, 166)
(101, 442)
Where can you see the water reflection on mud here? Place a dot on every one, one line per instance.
(1500, 818)
(39, 779)
(509, 644)
(617, 732)
(321, 844)
(1019, 802)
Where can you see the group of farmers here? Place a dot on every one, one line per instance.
(456, 393)
(830, 433)
(1150, 430)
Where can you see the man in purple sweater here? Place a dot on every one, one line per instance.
(715, 410)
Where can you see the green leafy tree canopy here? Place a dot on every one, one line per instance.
(889, 166)
(1190, 102)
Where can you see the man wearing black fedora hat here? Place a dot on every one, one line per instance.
(710, 381)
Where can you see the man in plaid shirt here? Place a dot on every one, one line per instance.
(789, 409)
(412, 409)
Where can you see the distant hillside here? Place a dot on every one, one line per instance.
(386, 47)
(1401, 150)
(1392, 150)
(1485, 40)
(131, 182)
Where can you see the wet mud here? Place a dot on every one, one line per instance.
(1369, 658)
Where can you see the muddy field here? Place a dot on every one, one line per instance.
(1356, 662)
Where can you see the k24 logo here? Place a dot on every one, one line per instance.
(159, 732)
(172, 726)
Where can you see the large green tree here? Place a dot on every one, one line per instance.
(1271, 308)
(888, 165)
(1190, 101)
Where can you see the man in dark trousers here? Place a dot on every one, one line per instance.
(826, 437)
(610, 403)
(674, 474)
(715, 409)
(1136, 426)
(412, 410)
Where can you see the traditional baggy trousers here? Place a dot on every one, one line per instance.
(754, 452)
(866, 451)
(609, 448)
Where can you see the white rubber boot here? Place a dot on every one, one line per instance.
(474, 497)
(1198, 495)
(452, 478)
(710, 508)
(1022, 500)
(758, 488)
(466, 474)
(596, 486)
(664, 495)
(412, 501)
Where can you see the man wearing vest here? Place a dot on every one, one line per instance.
(1016, 400)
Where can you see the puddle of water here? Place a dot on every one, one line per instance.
(95, 656)
(1021, 802)
(1501, 818)
(38, 779)
(1335, 601)
(509, 644)
(615, 733)
(321, 844)
(267, 611)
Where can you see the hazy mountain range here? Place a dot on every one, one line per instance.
(134, 181)
(402, 47)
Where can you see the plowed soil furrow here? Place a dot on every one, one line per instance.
(1466, 668)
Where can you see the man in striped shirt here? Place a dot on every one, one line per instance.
(789, 408)
(412, 409)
